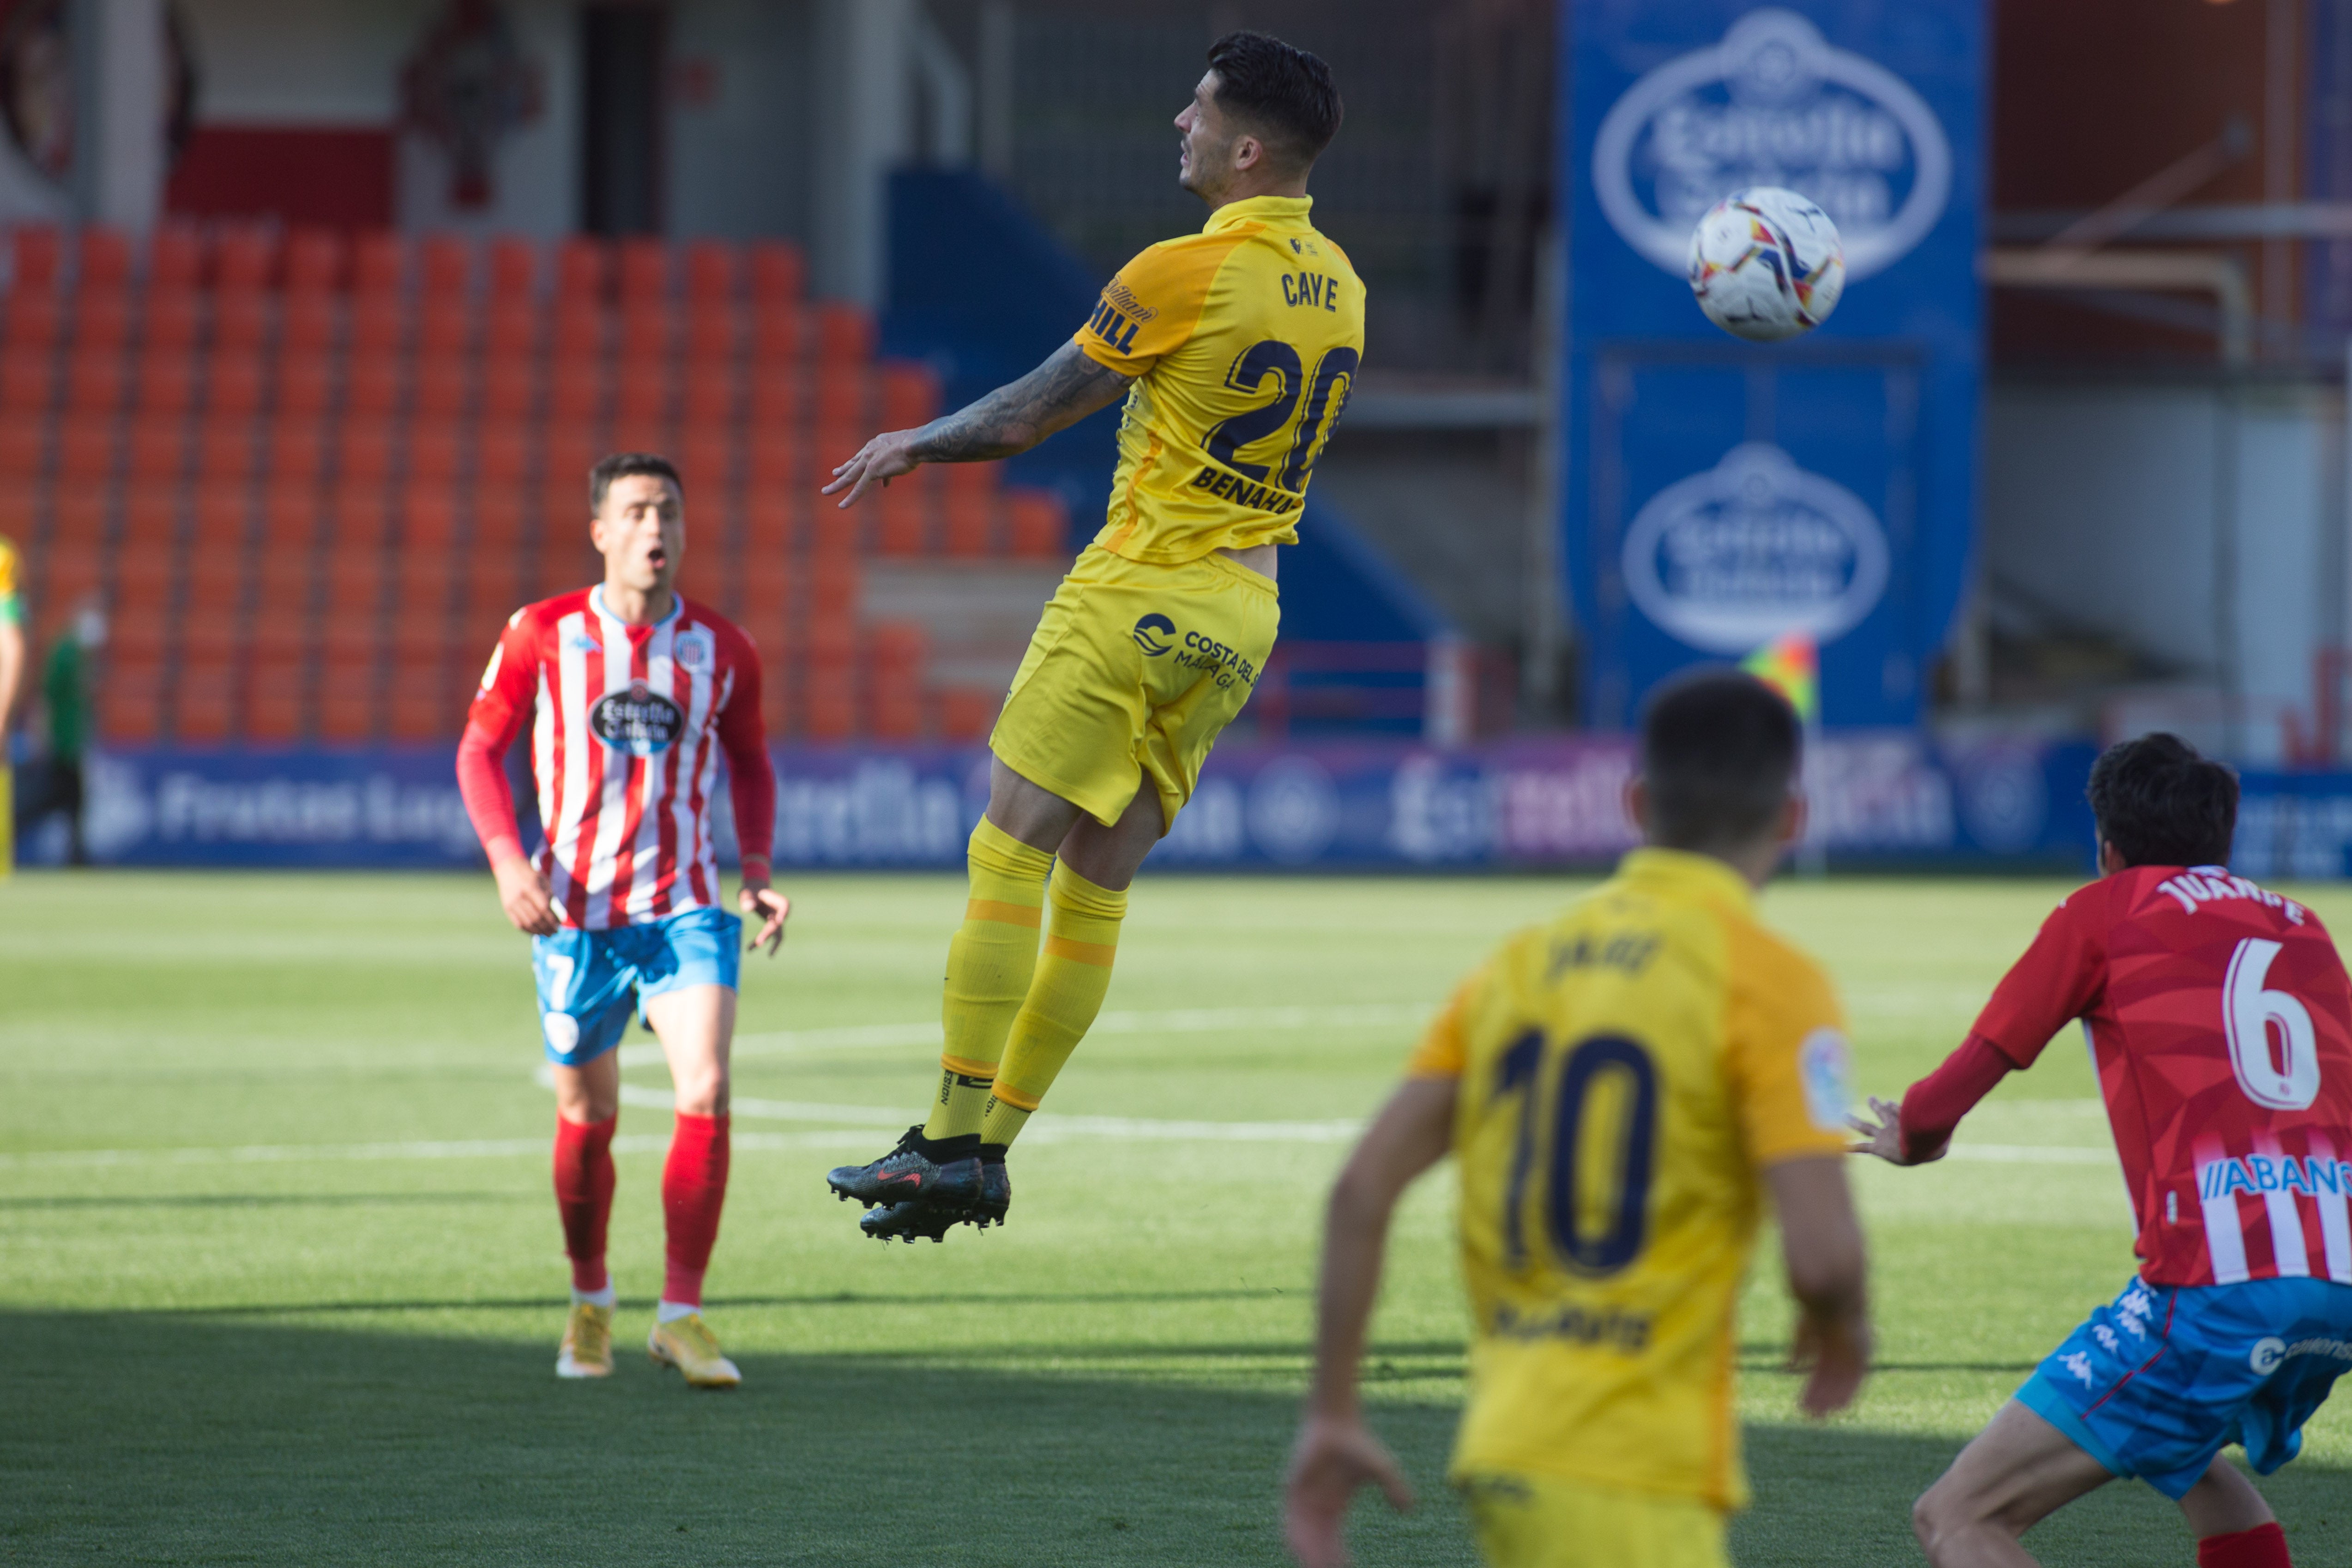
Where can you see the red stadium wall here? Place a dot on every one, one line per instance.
(330, 176)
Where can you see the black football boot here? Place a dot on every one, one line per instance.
(996, 1188)
(941, 1174)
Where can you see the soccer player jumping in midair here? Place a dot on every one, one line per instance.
(1234, 349)
(633, 692)
(2220, 1020)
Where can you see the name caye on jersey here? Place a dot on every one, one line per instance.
(2220, 1020)
(627, 726)
(1245, 339)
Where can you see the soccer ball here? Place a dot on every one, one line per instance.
(1767, 264)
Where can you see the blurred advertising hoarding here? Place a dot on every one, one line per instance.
(1884, 797)
(1719, 493)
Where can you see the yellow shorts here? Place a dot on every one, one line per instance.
(1542, 1522)
(1134, 670)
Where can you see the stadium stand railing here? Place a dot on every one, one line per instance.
(310, 474)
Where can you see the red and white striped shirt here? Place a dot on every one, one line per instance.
(624, 747)
(2221, 1023)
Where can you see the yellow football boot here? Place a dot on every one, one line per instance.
(688, 1344)
(587, 1343)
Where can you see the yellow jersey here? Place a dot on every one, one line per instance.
(1626, 1072)
(1245, 338)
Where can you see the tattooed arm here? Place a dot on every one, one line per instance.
(1058, 393)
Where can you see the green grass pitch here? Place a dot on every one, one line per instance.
(280, 1277)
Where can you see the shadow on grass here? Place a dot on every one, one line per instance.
(180, 1440)
(266, 1200)
(719, 1303)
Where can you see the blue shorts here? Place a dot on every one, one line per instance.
(592, 982)
(2157, 1384)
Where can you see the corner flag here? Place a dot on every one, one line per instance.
(1789, 665)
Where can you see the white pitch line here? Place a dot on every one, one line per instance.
(1167, 1021)
(473, 1149)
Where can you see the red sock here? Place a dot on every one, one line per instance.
(584, 1196)
(2265, 1546)
(694, 1186)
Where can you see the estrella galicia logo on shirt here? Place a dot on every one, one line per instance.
(1151, 634)
(638, 720)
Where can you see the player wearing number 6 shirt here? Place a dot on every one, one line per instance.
(633, 692)
(1234, 349)
(2220, 1020)
(1620, 1087)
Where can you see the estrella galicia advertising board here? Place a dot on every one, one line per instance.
(1719, 493)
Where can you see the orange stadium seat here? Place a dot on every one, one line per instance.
(844, 335)
(309, 323)
(644, 269)
(833, 582)
(834, 536)
(966, 713)
(159, 448)
(577, 390)
(175, 256)
(32, 320)
(24, 445)
(968, 522)
(94, 381)
(240, 320)
(211, 630)
(766, 580)
(79, 513)
(714, 337)
(85, 447)
(514, 269)
(28, 382)
(244, 258)
(501, 454)
(902, 522)
(346, 703)
(780, 336)
(896, 651)
(379, 325)
(318, 261)
(779, 397)
(435, 449)
(776, 461)
(648, 330)
(428, 519)
(131, 705)
(359, 521)
(714, 270)
(379, 263)
(1037, 527)
(171, 319)
(444, 387)
(273, 703)
(291, 511)
(298, 449)
(234, 385)
(305, 386)
(778, 272)
(582, 330)
(102, 257)
(910, 395)
(363, 453)
(282, 589)
(713, 396)
(444, 327)
(151, 516)
(500, 514)
(221, 515)
(101, 318)
(37, 250)
(705, 455)
(583, 268)
(568, 451)
(510, 386)
(421, 587)
(445, 262)
(492, 590)
(65, 575)
(203, 703)
(773, 521)
(167, 384)
(513, 330)
(844, 397)
(644, 392)
(226, 449)
(423, 711)
(374, 386)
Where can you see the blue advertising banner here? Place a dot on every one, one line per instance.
(1720, 494)
(1876, 796)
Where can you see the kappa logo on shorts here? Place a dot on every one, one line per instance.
(638, 720)
(1150, 632)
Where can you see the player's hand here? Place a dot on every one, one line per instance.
(1884, 1137)
(877, 462)
(1834, 1354)
(774, 908)
(522, 892)
(1330, 1460)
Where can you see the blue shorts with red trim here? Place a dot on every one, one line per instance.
(2156, 1383)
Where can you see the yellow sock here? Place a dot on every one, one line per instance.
(989, 965)
(1072, 978)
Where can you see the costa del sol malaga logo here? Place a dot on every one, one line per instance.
(1754, 548)
(1773, 104)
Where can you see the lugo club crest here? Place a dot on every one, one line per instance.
(1773, 104)
(638, 720)
(1755, 548)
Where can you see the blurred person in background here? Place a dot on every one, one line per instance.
(12, 672)
(56, 787)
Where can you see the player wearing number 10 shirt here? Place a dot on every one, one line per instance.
(2219, 1019)
(1620, 1087)
(1234, 350)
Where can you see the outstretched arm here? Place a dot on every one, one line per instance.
(1335, 1454)
(1058, 393)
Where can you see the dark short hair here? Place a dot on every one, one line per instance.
(620, 466)
(2160, 802)
(1719, 750)
(1286, 94)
